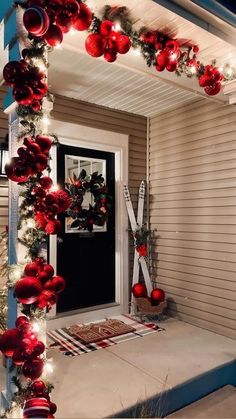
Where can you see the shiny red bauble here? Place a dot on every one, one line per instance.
(39, 348)
(139, 290)
(36, 21)
(37, 407)
(9, 341)
(28, 289)
(123, 44)
(18, 358)
(53, 408)
(172, 45)
(157, 296)
(94, 45)
(59, 284)
(53, 36)
(162, 58)
(106, 27)
(17, 171)
(24, 95)
(33, 368)
(84, 18)
(21, 320)
(31, 269)
(204, 80)
(13, 73)
(71, 8)
(171, 66)
(44, 142)
(110, 56)
(53, 227)
(49, 270)
(38, 387)
(64, 21)
(46, 182)
(213, 89)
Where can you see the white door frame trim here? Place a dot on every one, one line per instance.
(86, 137)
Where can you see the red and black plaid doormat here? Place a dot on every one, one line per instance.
(71, 345)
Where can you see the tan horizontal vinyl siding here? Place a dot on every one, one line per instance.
(192, 170)
(70, 110)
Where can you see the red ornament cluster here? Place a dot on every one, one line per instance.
(211, 80)
(140, 291)
(39, 286)
(28, 83)
(32, 160)
(108, 42)
(50, 19)
(47, 206)
(22, 345)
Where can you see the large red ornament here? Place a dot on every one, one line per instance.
(157, 296)
(13, 73)
(71, 8)
(33, 368)
(49, 270)
(53, 36)
(46, 182)
(63, 200)
(171, 66)
(64, 21)
(139, 290)
(106, 27)
(53, 408)
(9, 341)
(84, 18)
(94, 45)
(172, 45)
(18, 358)
(110, 56)
(28, 289)
(21, 320)
(36, 21)
(123, 44)
(38, 407)
(17, 171)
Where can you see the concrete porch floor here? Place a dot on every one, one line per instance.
(107, 381)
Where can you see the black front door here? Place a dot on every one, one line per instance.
(87, 260)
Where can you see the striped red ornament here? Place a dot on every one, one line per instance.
(36, 21)
(37, 407)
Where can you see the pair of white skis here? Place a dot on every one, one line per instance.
(135, 225)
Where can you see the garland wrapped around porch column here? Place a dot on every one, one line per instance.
(35, 285)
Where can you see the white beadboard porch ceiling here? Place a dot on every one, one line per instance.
(128, 84)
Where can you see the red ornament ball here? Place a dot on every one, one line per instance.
(123, 44)
(36, 21)
(37, 407)
(31, 269)
(172, 45)
(59, 284)
(157, 296)
(139, 290)
(63, 200)
(110, 56)
(21, 320)
(94, 45)
(49, 270)
(171, 66)
(64, 21)
(13, 72)
(43, 277)
(53, 408)
(44, 142)
(163, 58)
(33, 368)
(84, 18)
(53, 36)
(106, 27)
(9, 341)
(38, 387)
(160, 67)
(23, 95)
(17, 171)
(45, 182)
(204, 80)
(71, 8)
(18, 358)
(40, 162)
(213, 89)
(39, 348)
(28, 289)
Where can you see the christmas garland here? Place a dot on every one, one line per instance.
(36, 287)
(140, 236)
(96, 214)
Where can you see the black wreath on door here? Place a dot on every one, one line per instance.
(97, 213)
